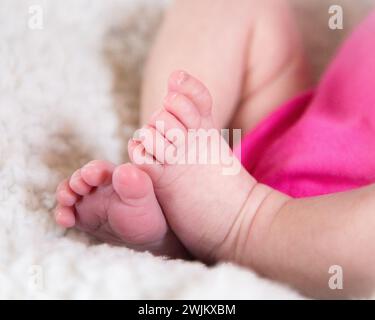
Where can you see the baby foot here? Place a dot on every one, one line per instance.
(210, 212)
(117, 205)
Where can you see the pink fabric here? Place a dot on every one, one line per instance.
(322, 141)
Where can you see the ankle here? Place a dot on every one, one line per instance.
(256, 247)
(245, 240)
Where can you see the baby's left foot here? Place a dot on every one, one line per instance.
(116, 205)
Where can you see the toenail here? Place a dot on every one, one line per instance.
(182, 77)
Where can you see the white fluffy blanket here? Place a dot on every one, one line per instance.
(69, 94)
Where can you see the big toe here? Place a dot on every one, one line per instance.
(131, 183)
(137, 218)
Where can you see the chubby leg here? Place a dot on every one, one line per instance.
(334, 152)
(247, 54)
(300, 242)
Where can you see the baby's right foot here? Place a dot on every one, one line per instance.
(201, 203)
(116, 205)
(209, 206)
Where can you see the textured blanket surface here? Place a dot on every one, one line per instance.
(69, 94)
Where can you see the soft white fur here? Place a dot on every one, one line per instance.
(69, 94)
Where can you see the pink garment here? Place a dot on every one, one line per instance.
(322, 141)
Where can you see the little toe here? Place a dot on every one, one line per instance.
(65, 195)
(64, 216)
(155, 143)
(167, 124)
(143, 160)
(97, 172)
(196, 91)
(78, 185)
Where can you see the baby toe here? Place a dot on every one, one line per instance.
(131, 183)
(64, 216)
(183, 109)
(154, 143)
(192, 88)
(165, 122)
(138, 219)
(97, 172)
(78, 185)
(65, 195)
(143, 160)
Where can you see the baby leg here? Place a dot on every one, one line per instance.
(247, 54)
(233, 217)
(301, 242)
